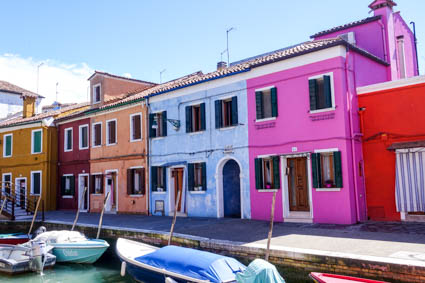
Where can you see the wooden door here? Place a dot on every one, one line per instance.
(298, 184)
(177, 174)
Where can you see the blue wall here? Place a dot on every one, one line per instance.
(179, 147)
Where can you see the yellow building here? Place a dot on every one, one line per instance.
(29, 154)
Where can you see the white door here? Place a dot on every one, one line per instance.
(83, 200)
(109, 189)
(21, 192)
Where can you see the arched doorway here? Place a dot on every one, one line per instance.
(231, 189)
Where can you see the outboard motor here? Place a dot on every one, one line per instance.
(39, 231)
(38, 256)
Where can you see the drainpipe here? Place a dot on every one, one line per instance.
(384, 38)
(416, 47)
(350, 113)
(148, 150)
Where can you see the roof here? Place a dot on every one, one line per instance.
(245, 66)
(392, 85)
(11, 88)
(119, 77)
(346, 26)
(404, 145)
(38, 117)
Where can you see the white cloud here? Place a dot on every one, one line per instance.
(72, 78)
(127, 75)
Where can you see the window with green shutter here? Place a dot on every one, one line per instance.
(158, 124)
(327, 170)
(320, 93)
(266, 105)
(35, 183)
(7, 145)
(36, 141)
(197, 176)
(68, 139)
(226, 112)
(68, 185)
(158, 178)
(195, 118)
(267, 173)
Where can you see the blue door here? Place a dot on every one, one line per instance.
(231, 189)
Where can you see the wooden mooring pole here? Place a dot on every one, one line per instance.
(35, 214)
(101, 215)
(271, 227)
(174, 217)
(79, 208)
(2, 205)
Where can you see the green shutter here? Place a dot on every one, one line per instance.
(164, 123)
(276, 172)
(327, 91)
(218, 114)
(204, 176)
(315, 164)
(234, 110)
(273, 93)
(152, 132)
(63, 182)
(203, 117)
(190, 176)
(258, 173)
(154, 178)
(313, 94)
(188, 119)
(164, 177)
(37, 141)
(338, 169)
(37, 183)
(259, 104)
(8, 144)
(72, 184)
(69, 139)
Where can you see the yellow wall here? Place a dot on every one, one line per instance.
(22, 162)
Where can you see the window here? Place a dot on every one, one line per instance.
(7, 145)
(266, 103)
(135, 127)
(68, 185)
(111, 132)
(96, 185)
(7, 183)
(97, 134)
(197, 176)
(96, 93)
(195, 118)
(84, 137)
(327, 171)
(267, 173)
(68, 139)
(158, 124)
(136, 181)
(35, 182)
(158, 178)
(226, 112)
(401, 57)
(36, 141)
(321, 93)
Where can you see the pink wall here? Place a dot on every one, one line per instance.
(295, 127)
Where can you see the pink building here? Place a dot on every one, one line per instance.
(304, 136)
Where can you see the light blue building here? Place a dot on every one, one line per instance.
(206, 158)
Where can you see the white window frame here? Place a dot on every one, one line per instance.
(107, 132)
(4, 145)
(94, 189)
(68, 175)
(331, 74)
(268, 118)
(32, 141)
(138, 195)
(80, 136)
(66, 139)
(4, 182)
(93, 132)
(32, 182)
(330, 151)
(94, 93)
(131, 127)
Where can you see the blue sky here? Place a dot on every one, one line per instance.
(141, 38)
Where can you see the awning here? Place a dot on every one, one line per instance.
(410, 179)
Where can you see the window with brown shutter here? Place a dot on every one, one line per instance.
(97, 134)
(111, 136)
(136, 130)
(136, 181)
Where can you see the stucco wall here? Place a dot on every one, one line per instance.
(208, 146)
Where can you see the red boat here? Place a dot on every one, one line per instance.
(333, 278)
(14, 239)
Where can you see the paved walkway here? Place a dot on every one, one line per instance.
(380, 239)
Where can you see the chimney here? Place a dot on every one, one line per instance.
(221, 65)
(29, 106)
(379, 4)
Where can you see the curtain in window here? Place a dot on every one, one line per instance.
(410, 180)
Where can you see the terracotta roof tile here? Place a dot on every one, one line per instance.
(349, 25)
(8, 87)
(119, 77)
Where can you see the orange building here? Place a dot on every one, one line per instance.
(392, 120)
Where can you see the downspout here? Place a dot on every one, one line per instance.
(350, 113)
(384, 38)
(148, 148)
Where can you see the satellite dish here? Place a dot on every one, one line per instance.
(47, 121)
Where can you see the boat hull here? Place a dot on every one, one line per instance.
(13, 267)
(13, 239)
(79, 253)
(334, 278)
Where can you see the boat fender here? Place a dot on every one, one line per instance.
(170, 280)
(123, 266)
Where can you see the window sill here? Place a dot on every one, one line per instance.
(98, 194)
(159, 193)
(36, 152)
(67, 196)
(68, 150)
(197, 192)
(136, 140)
(32, 194)
(7, 156)
(83, 148)
(95, 146)
(196, 133)
(265, 119)
(136, 196)
(328, 189)
(322, 110)
(227, 128)
(157, 138)
(268, 191)
(96, 102)
(111, 144)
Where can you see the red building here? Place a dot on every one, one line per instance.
(393, 126)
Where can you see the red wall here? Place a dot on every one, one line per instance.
(73, 162)
(395, 115)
